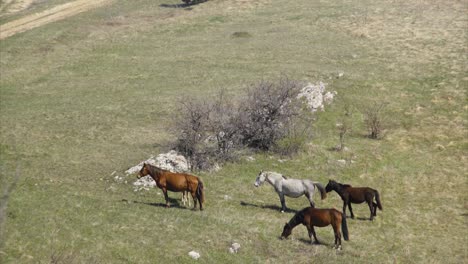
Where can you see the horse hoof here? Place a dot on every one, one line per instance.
(282, 211)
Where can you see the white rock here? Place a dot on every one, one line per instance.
(235, 247)
(250, 158)
(341, 162)
(315, 96)
(194, 254)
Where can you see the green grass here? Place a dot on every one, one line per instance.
(94, 94)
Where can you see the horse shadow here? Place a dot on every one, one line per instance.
(307, 241)
(187, 6)
(271, 207)
(173, 202)
(359, 218)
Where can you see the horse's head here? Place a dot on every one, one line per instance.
(331, 186)
(144, 171)
(287, 230)
(260, 178)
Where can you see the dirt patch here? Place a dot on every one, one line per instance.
(51, 15)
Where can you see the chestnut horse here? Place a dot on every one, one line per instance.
(175, 182)
(311, 217)
(357, 195)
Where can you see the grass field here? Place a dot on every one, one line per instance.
(95, 94)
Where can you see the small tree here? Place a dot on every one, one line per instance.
(374, 120)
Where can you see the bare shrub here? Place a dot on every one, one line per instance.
(268, 117)
(224, 124)
(345, 126)
(267, 112)
(192, 131)
(373, 118)
(297, 135)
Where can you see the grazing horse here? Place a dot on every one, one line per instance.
(290, 187)
(356, 195)
(311, 217)
(175, 182)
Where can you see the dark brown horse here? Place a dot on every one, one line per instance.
(175, 182)
(311, 217)
(356, 195)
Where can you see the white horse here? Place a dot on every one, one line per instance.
(290, 187)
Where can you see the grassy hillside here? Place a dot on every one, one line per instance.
(94, 94)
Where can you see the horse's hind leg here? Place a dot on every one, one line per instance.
(194, 197)
(336, 230)
(375, 208)
(371, 208)
(312, 204)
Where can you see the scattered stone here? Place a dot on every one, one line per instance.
(341, 162)
(234, 248)
(227, 197)
(316, 96)
(194, 254)
(440, 147)
(250, 158)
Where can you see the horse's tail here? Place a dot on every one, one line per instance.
(323, 193)
(344, 226)
(200, 191)
(377, 198)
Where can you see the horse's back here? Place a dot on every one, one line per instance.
(292, 187)
(177, 182)
(321, 217)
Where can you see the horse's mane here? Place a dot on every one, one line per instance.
(346, 185)
(156, 169)
(297, 219)
(284, 177)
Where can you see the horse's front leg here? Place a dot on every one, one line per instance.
(375, 208)
(283, 202)
(344, 208)
(166, 197)
(351, 210)
(312, 233)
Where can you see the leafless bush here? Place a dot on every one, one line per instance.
(297, 134)
(374, 120)
(267, 112)
(267, 117)
(224, 123)
(192, 131)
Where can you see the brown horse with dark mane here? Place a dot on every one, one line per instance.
(175, 182)
(357, 195)
(311, 217)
